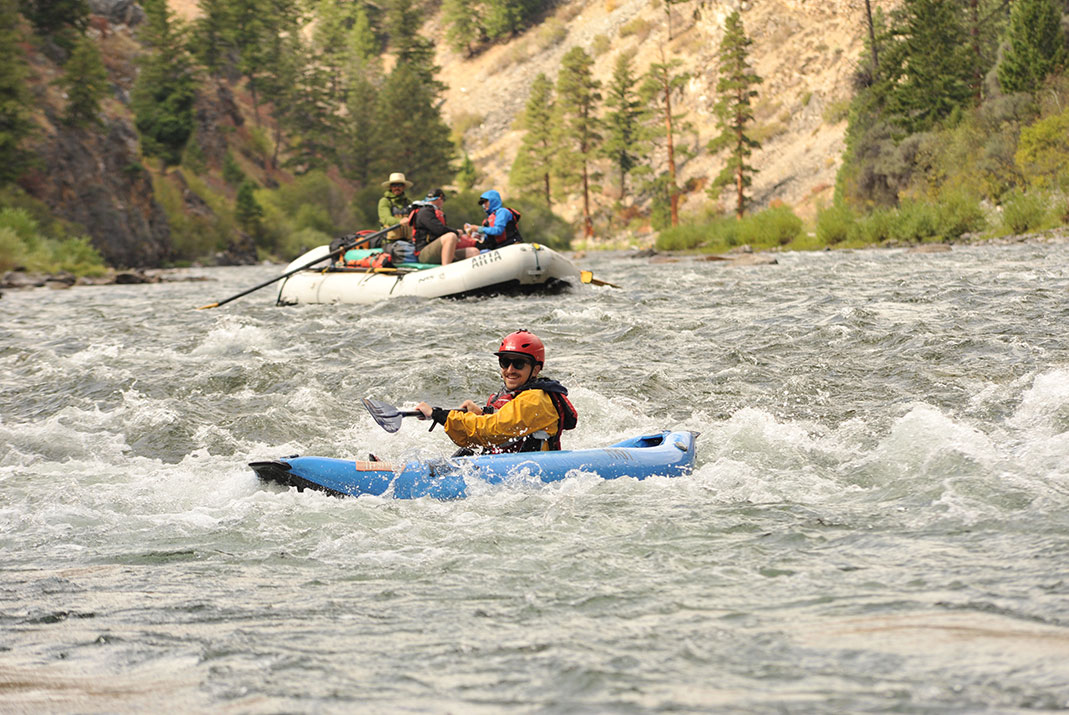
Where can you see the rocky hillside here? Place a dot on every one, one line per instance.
(804, 50)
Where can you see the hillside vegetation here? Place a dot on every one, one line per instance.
(228, 131)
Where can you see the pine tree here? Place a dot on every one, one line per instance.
(164, 92)
(464, 28)
(250, 34)
(1035, 45)
(304, 108)
(577, 104)
(929, 65)
(410, 134)
(533, 165)
(363, 76)
(247, 209)
(467, 174)
(15, 101)
(403, 21)
(734, 113)
(330, 38)
(52, 17)
(85, 81)
(663, 82)
(624, 132)
(211, 35)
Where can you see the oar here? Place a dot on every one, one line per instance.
(588, 277)
(287, 274)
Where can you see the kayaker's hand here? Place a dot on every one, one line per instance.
(425, 409)
(469, 406)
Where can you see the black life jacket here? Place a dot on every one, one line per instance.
(420, 235)
(567, 417)
(511, 233)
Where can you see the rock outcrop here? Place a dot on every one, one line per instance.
(93, 177)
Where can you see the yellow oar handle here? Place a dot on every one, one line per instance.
(588, 277)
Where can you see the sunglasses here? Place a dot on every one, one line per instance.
(519, 363)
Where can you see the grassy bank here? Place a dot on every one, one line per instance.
(947, 220)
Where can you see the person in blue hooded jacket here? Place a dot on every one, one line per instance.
(500, 228)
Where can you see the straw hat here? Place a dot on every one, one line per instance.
(397, 178)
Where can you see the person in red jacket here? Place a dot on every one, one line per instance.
(528, 414)
(435, 241)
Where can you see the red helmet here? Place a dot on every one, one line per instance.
(524, 343)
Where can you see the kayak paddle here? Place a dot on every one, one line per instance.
(387, 416)
(340, 250)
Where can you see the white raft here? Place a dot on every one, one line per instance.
(521, 266)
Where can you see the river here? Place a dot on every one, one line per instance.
(878, 520)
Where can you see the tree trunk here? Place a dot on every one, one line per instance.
(588, 225)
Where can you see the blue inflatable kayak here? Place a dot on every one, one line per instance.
(668, 454)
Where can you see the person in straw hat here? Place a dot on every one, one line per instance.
(394, 204)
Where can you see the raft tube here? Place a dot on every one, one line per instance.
(667, 454)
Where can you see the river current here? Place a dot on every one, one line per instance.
(878, 520)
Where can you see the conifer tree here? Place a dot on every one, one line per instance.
(164, 92)
(533, 165)
(85, 81)
(464, 29)
(250, 33)
(305, 109)
(734, 113)
(410, 131)
(247, 209)
(579, 128)
(331, 46)
(663, 82)
(624, 132)
(211, 35)
(410, 134)
(403, 21)
(52, 17)
(928, 67)
(15, 121)
(363, 76)
(1035, 45)
(467, 174)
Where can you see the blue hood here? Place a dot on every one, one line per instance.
(495, 201)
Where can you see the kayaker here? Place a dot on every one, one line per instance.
(435, 241)
(501, 226)
(527, 415)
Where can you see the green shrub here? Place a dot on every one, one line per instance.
(232, 173)
(12, 249)
(552, 32)
(834, 224)
(1024, 211)
(776, 226)
(300, 242)
(22, 246)
(78, 256)
(684, 237)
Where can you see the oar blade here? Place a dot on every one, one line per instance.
(385, 415)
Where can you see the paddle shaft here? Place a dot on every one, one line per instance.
(342, 249)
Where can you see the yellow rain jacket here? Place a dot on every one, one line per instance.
(526, 413)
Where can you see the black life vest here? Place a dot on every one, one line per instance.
(420, 235)
(510, 235)
(567, 417)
